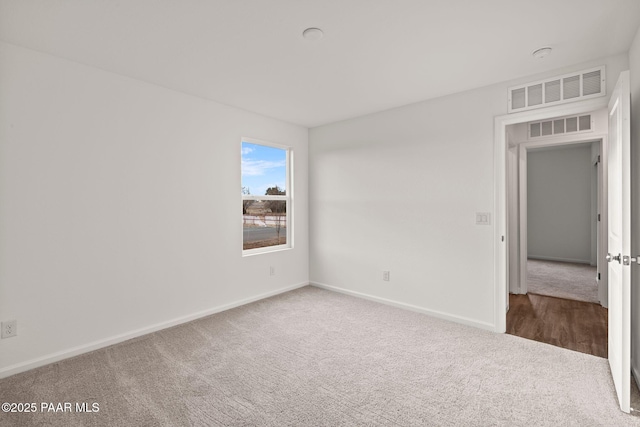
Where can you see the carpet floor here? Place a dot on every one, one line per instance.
(312, 357)
(562, 280)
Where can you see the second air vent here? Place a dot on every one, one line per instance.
(560, 126)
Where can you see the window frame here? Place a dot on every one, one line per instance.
(287, 198)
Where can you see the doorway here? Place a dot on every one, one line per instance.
(556, 206)
(555, 200)
(504, 233)
(562, 224)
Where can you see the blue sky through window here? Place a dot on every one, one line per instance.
(263, 167)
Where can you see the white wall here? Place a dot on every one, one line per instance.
(559, 203)
(120, 207)
(398, 191)
(634, 67)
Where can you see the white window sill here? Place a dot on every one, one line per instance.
(258, 251)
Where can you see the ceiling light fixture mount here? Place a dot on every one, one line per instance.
(313, 33)
(542, 52)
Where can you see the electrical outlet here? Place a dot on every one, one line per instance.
(9, 328)
(385, 276)
(272, 271)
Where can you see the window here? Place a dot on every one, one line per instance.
(266, 196)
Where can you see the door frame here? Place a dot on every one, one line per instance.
(521, 204)
(501, 237)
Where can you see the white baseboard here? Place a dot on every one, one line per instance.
(434, 313)
(75, 351)
(548, 258)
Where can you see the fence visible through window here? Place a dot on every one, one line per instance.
(266, 214)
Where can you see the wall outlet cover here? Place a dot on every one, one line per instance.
(9, 328)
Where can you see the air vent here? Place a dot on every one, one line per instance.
(558, 90)
(560, 126)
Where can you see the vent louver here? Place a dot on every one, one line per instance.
(591, 83)
(518, 98)
(558, 90)
(534, 95)
(571, 87)
(552, 91)
(561, 126)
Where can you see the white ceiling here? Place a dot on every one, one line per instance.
(375, 55)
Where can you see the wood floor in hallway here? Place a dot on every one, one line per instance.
(576, 325)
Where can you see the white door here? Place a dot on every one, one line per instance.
(619, 245)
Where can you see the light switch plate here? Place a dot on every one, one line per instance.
(483, 218)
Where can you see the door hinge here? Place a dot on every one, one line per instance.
(598, 217)
(598, 276)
